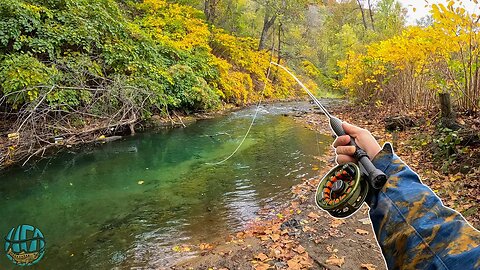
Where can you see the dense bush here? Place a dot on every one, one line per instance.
(409, 69)
(156, 54)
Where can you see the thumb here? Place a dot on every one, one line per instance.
(351, 129)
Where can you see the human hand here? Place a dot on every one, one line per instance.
(363, 138)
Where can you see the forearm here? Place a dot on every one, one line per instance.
(413, 228)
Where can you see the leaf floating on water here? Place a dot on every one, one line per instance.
(181, 248)
(361, 232)
(141, 182)
(368, 266)
(334, 260)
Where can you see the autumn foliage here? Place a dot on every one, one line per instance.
(411, 68)
(164, 51)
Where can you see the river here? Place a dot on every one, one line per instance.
(133, 202)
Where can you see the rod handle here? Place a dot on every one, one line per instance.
(376, 177)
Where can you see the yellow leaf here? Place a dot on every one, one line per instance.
(13, 136)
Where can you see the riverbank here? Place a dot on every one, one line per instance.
(16, 147)
(300, 236)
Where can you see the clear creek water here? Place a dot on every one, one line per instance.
(127, 204)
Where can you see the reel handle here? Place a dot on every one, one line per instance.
(376, 177)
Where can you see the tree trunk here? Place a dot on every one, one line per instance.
(371, 14)
(448, 116)
(279, 42)
(363, 14)
(267, 24)
(445, 105)
(210, 8)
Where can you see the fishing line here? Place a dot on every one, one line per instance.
(317, 102)
(251, 124)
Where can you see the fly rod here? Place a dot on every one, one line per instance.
(377, 178)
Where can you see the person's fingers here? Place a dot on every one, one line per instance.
(351, 129)
(346, 150)
(342, 140)
(343, 159)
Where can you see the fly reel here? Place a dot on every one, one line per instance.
(342, 191)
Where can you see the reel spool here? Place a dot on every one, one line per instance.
(342, 191)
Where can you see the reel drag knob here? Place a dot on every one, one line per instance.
(342, 191)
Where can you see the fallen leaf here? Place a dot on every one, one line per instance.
(361, 232)
(313, 215)
(293, 265)
(261, 266)
(337, 222)
(262, 257)
(365, 221)
(334, 260)
(141, 182)
(13, 136)
(275, 237)
(275, 253)
(368, 266)
(205, 246)
(299, 249)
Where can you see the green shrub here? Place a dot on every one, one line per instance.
(22, 78)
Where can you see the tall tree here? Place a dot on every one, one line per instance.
(268, 21)
(370, 10)
(363, 14)
(210, 9)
